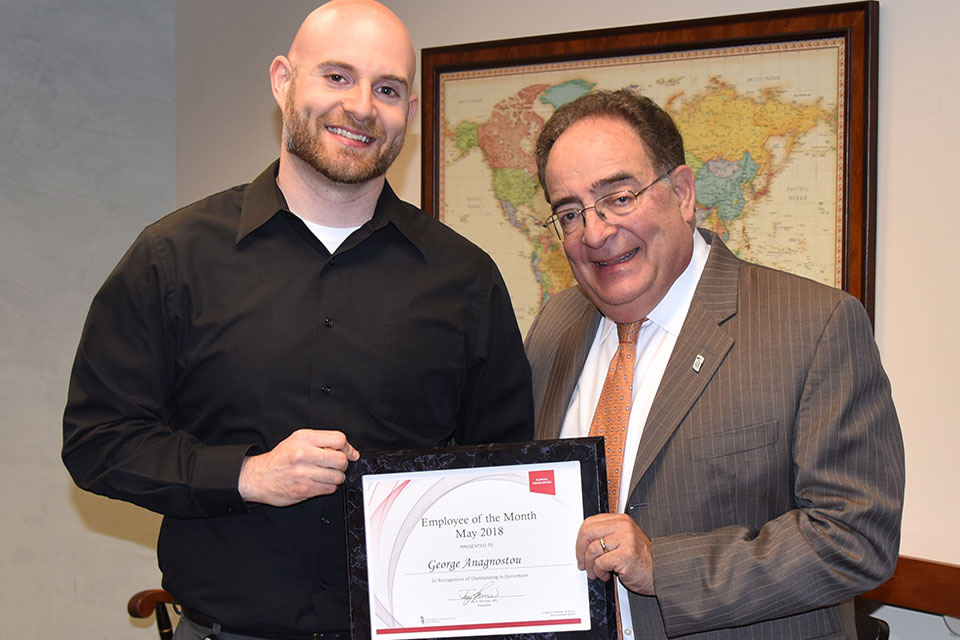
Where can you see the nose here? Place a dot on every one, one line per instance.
(358, 102)
(596, 230)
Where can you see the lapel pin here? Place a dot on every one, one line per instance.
(697, 363)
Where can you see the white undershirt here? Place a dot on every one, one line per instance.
(331, 237)
(655, 343)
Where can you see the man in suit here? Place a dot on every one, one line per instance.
(763, 473)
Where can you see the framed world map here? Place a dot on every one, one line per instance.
(777, 111)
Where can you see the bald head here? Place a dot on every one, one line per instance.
(346, 91)
(361, 22)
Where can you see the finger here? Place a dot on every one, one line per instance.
(584, 540)
(599, 566)
(330, 476)
(322, 489)
(336, 440)
(351, 452)
(334, 459)
(606, 548)
(604, 565)
(592, 551)
(592, 529)
(321, 482)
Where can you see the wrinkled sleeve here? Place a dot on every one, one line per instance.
(497, 401)
(117, 439)
(842, 538)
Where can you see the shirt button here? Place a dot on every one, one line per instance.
(323, 586)
(628, 632)
(328, 322)
(325, 388)
(324, 520)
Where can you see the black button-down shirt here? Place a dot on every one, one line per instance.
(227, 326)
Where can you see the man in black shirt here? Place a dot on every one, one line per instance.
(249, 344)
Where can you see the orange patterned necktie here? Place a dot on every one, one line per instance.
(613, 407)
(612, 417)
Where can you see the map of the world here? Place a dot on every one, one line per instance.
(762, 128)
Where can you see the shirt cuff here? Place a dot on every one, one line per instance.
(216, 477)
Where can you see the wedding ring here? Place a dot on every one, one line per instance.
(603, 545)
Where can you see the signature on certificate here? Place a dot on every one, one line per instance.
(485, 593)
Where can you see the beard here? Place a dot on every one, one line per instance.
(343, 165)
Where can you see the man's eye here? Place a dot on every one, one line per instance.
(388, 91)
(568, 216)
(336, 78)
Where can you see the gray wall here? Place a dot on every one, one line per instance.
(87, 133)
(104, 129)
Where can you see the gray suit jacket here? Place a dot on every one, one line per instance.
(771, 480)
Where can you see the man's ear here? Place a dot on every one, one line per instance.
(683, 183)
(412, 104)
(281, 73)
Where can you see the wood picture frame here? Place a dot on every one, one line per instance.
(856, 24)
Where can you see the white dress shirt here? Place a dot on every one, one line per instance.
(655, 343)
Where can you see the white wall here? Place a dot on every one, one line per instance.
(92, 101)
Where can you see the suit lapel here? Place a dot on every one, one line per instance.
(700, 349)
(571, 353)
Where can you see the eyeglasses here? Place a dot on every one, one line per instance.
(568, 220)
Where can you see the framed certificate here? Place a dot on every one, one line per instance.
(476, 542)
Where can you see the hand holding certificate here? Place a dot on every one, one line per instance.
(481, 548)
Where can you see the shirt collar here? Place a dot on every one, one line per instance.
(672, 309)
(263, 200)
(405, 217)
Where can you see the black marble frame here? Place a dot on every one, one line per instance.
(588, 451)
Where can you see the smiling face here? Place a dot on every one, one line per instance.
(346, 91)
(626, 266)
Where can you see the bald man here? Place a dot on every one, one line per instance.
(248, 345)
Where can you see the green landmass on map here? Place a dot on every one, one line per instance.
(515, 186)
(466, 137)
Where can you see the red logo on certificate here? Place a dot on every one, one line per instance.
(542, 482)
